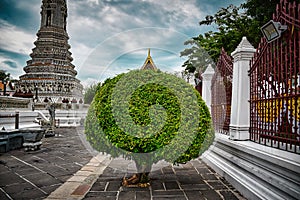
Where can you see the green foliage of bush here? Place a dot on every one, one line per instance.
(157, 112)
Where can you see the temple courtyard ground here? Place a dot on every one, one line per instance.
(66, 167)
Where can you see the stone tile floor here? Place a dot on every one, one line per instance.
(194, 180)
(37, 174)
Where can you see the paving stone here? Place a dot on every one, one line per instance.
(27, 171)
(157, 185)
(186, 180)
(167, 193)
(203, 170)
(171, 185)
(217, 185)
(81, 190)
(194, 195)
(101, 198)
(199, 187)
(15, 165)
(135, 189)
(63, 178)
(127, 195)
(3, 196)
(29, 194)
(211, 195)
(99, 186)
(102, 195)
(169, 177)
(144, 195)
(71, 167)
(77, 178)
(209, 176)
(50, 188)
(108, 179)
(114, 186)
(3, 169)
(10, 178)
(24, 191)
(57, 171)
(170, 197)
(42, 179)
(159, 175)
(228, 195)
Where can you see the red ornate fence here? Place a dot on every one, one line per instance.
(275, 85)
(221, 93)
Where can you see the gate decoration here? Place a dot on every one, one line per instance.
(275, 85)
(221, 93)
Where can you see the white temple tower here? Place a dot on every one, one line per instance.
(49, 74)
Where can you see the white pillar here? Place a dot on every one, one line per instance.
(206, 85)
(240, 114)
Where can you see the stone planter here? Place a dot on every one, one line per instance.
(32, 138)
(29, 138)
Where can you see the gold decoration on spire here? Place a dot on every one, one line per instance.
(149, 64)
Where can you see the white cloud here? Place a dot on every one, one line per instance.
(8, 68)
(15, 39)
(93, 2)
(128, 50)
(108, 37)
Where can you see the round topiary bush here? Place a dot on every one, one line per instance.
(149, 116)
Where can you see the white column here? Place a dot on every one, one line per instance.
(240, 114)
(206, 85)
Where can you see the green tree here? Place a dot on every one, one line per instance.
(90, 93)
(148, 116)
(232, 23)
(4, 76)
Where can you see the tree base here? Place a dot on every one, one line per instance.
(137, 180)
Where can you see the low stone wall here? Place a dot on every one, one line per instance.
(28, 119)
(256, 171)
(14, 102)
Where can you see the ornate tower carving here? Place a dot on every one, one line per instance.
(50, 70)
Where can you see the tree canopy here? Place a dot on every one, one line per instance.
(149, 116)
(232, 23)
(4, 76)
(90, 93)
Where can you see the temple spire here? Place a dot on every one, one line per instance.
(149, 64)
(50, 70)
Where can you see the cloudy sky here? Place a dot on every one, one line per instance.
(108, 37)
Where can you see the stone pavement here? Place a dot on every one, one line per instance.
(191, 181)
(35, 174)
(67, 168)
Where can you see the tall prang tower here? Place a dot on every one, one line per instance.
(50, 75)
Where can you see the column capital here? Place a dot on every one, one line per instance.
(209, 72)
(244, 51)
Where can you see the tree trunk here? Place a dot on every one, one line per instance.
(140, 179)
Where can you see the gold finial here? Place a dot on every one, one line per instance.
(149, 53)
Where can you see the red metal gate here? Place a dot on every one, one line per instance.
(275, 85)
(221, 93)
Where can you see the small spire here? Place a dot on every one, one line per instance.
(149, 64)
